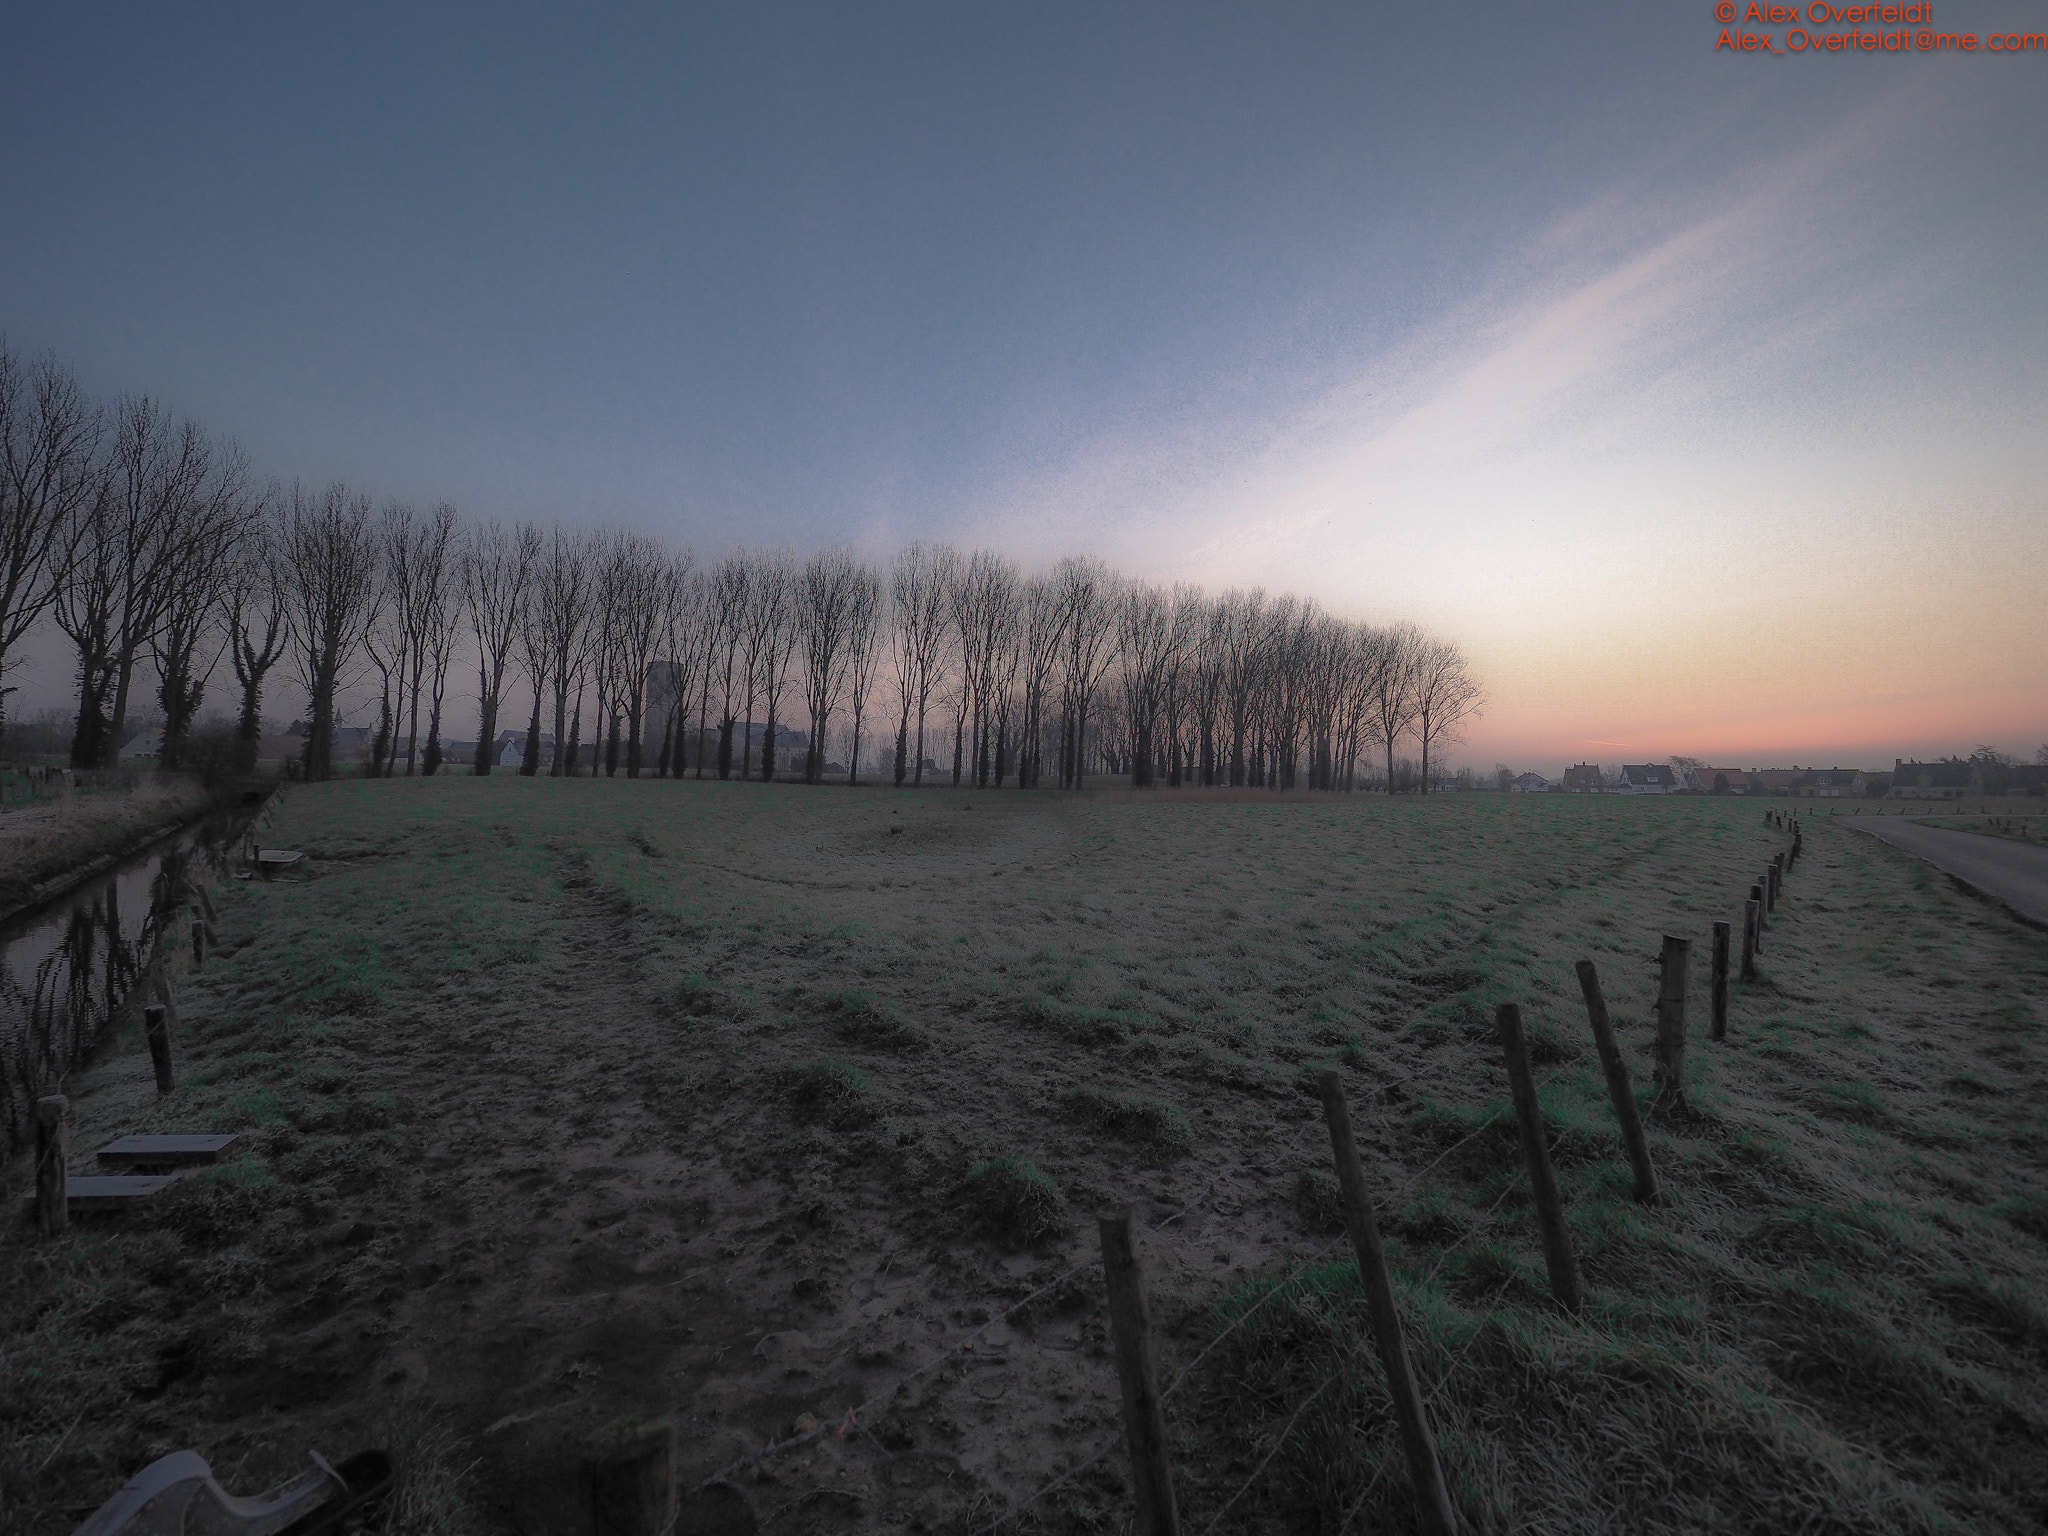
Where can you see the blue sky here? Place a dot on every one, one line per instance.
(1674, 384)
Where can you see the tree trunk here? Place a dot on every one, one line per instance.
(529, 760)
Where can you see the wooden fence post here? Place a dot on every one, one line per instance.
(1752, 918)
(1557, 1243)
(1130, 1326)
(53, 1144)
(1718, 1028)
(1619, 1088)
(1671, 1021)
(1425, 1473)
(1775, 874)
(156, 1028)
(1759, 889)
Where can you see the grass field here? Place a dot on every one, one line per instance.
(574, 1101)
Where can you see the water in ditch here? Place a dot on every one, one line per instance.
(66, 967)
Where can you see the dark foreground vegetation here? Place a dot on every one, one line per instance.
(568, 1103)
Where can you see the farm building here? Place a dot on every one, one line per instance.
(1582, 779)
(1935, 781)
(1648, 779)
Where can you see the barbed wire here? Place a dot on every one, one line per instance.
(1054, 1486)
(1266, 1460)
(1402, 1188)
(856, 1416)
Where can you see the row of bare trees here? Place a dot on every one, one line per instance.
(157, 555)
(1167, 685)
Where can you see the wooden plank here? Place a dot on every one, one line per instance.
(165, 1151)
(108, 1192)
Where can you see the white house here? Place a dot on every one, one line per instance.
(1529, 784)
(1648, 779)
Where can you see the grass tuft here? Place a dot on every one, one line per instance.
(861, 1018)
(1013, 1198)
(829, 1092)
(1146, 1122)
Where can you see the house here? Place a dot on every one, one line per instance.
(2026, 779)
(1529, 784)
(1775, 781)
(511, 749)
(1949, 780)
(143, 741)
(1835, 783)
(1582, 779)
(1719, 781)
(1648, 779)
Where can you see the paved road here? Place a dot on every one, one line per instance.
(2014, 873)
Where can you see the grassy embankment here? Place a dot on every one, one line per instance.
(48, 839)
(569, 1101)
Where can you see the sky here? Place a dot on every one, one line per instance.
(1700, 395)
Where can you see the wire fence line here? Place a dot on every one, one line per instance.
(1400, 1189)
(1266, 1460)
(857, 1416)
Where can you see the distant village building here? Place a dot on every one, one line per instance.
(511, 749)
(1582, 779)
(1719, 781)
(1529, 784)
(1775, 781)
(1934, 781)
(1648, 779)
(1835, 783)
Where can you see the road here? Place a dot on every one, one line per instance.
(2015, 874)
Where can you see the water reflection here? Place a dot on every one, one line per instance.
(65, 968)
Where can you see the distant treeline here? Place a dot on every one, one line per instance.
(156, 553)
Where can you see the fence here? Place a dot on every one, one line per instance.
(1142, 1431)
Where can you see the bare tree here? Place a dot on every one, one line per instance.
(562, 599)
(771, 639)
(332, 556)
(533, 660)
(1393, 689)
(1041, 630)
(257, 608)
(985, 602)
(188, 638)
(1446, 695)
(1187, 622)
(731, 600)
(863, 646)
(919, 587)
(645, 587)
(825, 596)
(425, 570)
(497, 569)
(687, 644)
(49, 473)
(385, 638)
(1146, 649)
(117, 552)
(1087, 594)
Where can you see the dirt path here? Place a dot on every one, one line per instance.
(2014, 874)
